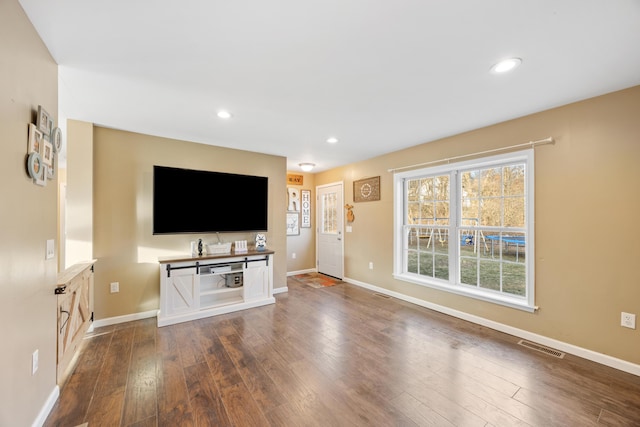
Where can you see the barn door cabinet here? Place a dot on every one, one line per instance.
(196, 287)
(74, 294)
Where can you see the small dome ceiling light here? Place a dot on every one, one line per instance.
(224, 114)
(506, 65)
(332, 140)
(307, 166)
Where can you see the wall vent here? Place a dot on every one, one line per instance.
(541, 348)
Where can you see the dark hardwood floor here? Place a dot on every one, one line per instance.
(335, 356)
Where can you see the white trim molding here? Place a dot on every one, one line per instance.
(46, 409)
(126, 318)
(280, 290)
(307, 271)
(591, 355)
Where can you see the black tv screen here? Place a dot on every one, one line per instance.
(196, 201)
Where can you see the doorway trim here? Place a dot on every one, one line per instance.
(319, 219)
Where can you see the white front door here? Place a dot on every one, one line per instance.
(330, 220)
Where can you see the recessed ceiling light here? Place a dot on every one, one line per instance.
(506, 65)
(332, 140)
(224, 114)
(307, 166)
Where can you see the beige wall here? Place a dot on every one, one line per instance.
(28, 217)
(303, 245)
(79, 192)
(123, 243)
(587, 200)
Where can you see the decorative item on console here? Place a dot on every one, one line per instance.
(261, 242)
(219, 248)
(240, 246)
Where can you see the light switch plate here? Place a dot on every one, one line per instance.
(50, 249)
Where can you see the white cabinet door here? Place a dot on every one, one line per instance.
(180, 290)
(256, 280)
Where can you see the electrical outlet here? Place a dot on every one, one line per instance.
(293, 255)
(34, 362)
(115, 287)
(50, 252)
(370, 265)
(628, 320)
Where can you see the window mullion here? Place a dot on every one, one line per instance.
(454, 224)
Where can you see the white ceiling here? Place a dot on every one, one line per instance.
(378, 75)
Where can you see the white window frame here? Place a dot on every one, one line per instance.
(526, 303)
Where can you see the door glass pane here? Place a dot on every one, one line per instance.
(329, 213)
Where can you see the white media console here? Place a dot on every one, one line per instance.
(193, 287)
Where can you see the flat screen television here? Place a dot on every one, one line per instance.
(197, 201)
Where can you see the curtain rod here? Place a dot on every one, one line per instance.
(531, 144)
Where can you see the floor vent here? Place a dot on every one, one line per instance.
(542, 349)
(381, 295)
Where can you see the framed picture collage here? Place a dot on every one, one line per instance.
(44, 143)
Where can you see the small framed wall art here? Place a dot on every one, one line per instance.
(35, 139)
(305, 196)
(293, 226)
(366, 190)
(295, 179)
(293, 199)
(43, 145)
(56, 140)
(45, 122)
(35, 166)
(47, 153)
(51, 169)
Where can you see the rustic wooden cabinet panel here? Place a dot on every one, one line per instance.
(75, 312)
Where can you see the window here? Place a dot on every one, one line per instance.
(468, 228)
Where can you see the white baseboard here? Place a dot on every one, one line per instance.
(46, 409)
(126, 318)
(281, 290)
(295, 273)
(603, 359)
